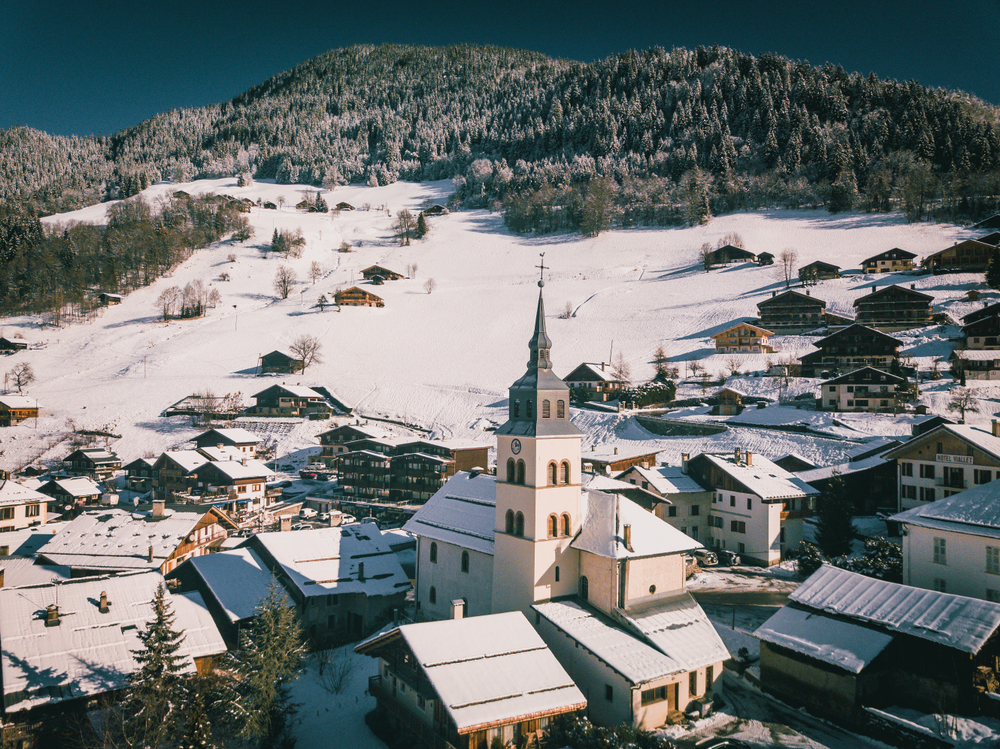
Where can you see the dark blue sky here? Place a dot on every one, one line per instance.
(73, 67)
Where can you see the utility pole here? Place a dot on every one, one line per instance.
(237, 322)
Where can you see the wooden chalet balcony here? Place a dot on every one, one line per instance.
(423, 734)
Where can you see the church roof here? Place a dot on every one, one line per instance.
(603, 531)
(462, 513)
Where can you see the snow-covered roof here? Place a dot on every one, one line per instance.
(636, 660)
(462, 513)
(114, 539)
(25, 542)
(587, 371)
(678, 627)
(880, 445)
(328, 560)
(236, 435)
(238, 580)
(248, 468)
(841, 469)
(77, 486)
(23, 571)
(13, 493)
(973, 435)
(976, 509)
(762, 477)
(667, 479)
(976, 355)
(598, 482)
(954, 621)
(90, 652)
(185, 459)
(226, 452)
(834, 641)
(298, 391)
(603, 530)
(487, 670)
(18, 401)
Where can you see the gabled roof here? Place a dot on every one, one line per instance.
(785, 296)
(18, 571)
(975, 355)
(856, 329)
(186, 460)
(894, 290)
(13, 493)
(97, 455)
(953, 621)
(975, 511)
(819, 265)
(18, 401)
(755, 328)
(989, 310)
(236, 469)
(763, 478)
(140, 464)
(237, 579)
(866, 374)
(874, 447)
(486, 670)
(226, 452)
(279, 356)
(603, 530)
(678, 627)
(462, 513)
(990, 239)
(842, 469)
(297, 390)
(974, 243)
(667, 479)
(969, 434)
(91, 652)
(25, 542)
(894, 254)
(363, 430)
(588, 372)
(234, 436)
(74, 486)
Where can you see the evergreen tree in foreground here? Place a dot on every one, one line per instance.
(993, 270)
(835, 527)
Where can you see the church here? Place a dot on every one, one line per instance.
(601, 579)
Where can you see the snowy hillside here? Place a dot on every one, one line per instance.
(441, 360)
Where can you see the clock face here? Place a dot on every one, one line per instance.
(515, 446)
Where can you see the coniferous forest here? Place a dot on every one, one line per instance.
(639, 139)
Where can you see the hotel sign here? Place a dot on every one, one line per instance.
(967, 459)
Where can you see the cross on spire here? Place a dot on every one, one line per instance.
(541, 270)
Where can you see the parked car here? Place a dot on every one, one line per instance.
(729, 558)
(308, 513)
(706, 558)
(323, 516)
(301, 526)
(347, 519)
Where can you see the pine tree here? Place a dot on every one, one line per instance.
(835, 522)
(993, 270)
(421, 226)
(197, 728)
(151, 710)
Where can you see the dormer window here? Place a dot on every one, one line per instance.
(515, 409)
(529, 411)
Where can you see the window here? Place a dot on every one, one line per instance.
(927, 494)
(584, 587)
(993, 560)
(510, 471)
(32, 511)
(434, 552)
(332, 599)
(519, 524)
(4, 551)
(546, 410)
(737, 526)
(908, 492)
(656, 694)
(672, 511)
(432, 595)
(906, 469)
(515, 409)
(6, 513)
(557, 573)
(566, 524)
(509, 521)
(520, 472)
(732, 500)
(926, 471)
(709, 673)
(609, 693)
(693, 683)
(981, 476)
(695, 509)
(552, 523)
(331, 621)
(993, 595)
(421, 702)
(552, 474)
(940, 585)
(564, 470)
(529, 409)
(749, 503)
(781, 535)
(560, 409)
(940, 551)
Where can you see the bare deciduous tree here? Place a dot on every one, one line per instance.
(411, 270)
(621, 370)
(963, 400)
(705, 256)
(315, 271)
(734, 365)
(306, 349)
(567, 312)
(168, 300)
(22, 375)
(430, 284)
(405, 226)
(283, 281)
(786, 265)
(733, 239)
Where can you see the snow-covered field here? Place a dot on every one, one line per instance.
(444, 360)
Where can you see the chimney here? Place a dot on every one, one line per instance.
(602, 366)
(774, 294)
(475, 471)
(749, 457)
(807, 293)
(159, 505)
(1, 571)
(361, 571)
(913, 287)
(218, 445)
(616, 451)
(458, 608)
(628, 536)
(685, 457)
(105, 605)
(244, 461)
(996, 430)
(149, 554)
(284, 523)
(52, 616)
(593, 448)
(736, 455)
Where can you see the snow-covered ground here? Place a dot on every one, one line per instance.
(444, 360)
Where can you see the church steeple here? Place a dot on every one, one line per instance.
(540, 343)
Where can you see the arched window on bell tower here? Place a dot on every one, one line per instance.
(519, 524)
(552, 473)
(560, 409)
(566, 524)
(519, 479)
(515, 409)
(546, 409)
(509, 522)
(553, 523)
(511, 475)
(529, 410)
(564, 470)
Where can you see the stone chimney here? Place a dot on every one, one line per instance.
(284, 523)
(749, 458)
(628, 536)
(52, 616)
(736, 456)
(593, 448)
(458, 608)
(616, 451)
(159, 505)
(105, 605)
(807, 293)
(475, 471)
(913, 287)
(685, 457)
(996, 428)
(149, 554)
(774, 294)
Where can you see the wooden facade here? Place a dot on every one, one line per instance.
(894, 308)
(16, 408)
(729, 254)
(279, 362)
(743, 339)
(866, 389)
(384, 273)
(356, 297)
(968, 256)
(596, 380)
(333, 442)
(983, 334)
(295, 401)
(96, 463)
(792, 312)
(818, 271)
(854, 347)
(890, 261)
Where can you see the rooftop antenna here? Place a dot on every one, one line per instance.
(57, 581)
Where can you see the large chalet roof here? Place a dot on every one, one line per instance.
(234, 436)
(379, 270)
(841, 469)
(894, 254)
(866, 374)
(856, 330)
(791, 296)
(13, 493)
(971, 435)
(755, 328)
(973, 511)
(678, 627)
(990, 310)
(296, 390)
(96, 455)
(12, 402)
(990, 239)
(461, 513)
(819, 265)
(993, 222)
(279, 356)
(74, 486)
(667, 479)
(953, 621)
(961, 246)
(761, 477)
(588, 372)
(328, 560)
(975, 355)
(486, 670)
(237, 579)
(356, 430)
(186, 460)
(91, 652)
(893, 291)
(236, 469)
(603, 530)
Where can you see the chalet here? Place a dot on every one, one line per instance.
(140, 474)
(270, 206)
(77, 491)
(384, 273)
(306, 205)
(8, 346)
(872, 448)
(596, 380)
(993, 222)
(290, 400)
(21, 507)
(730, 402)
(344, 206)
(686, 503)
(983, 333)
(435, 210)
(356, 297)
(334, 441)
(757, 508)
(17, 408)
(280, 363)
(109, 300)
(794, 463)
(992, 239)
(865, 389)
(234, 485)
(945, 461)
(172, 471)
(869, 482)
(765, 258)
(846, 642)
(894, 308)
(743, 339)
(95, 462)
(890, 261)
(976, 364)
(113, 540)
(953, 545)
(967, 256)
(928, 422)
(609, 461)
(985, 312)
(345, 582)
(729, 254)
(818, 271)
(245, 442)
(791, 312)
(851, 348)
(422, 685)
